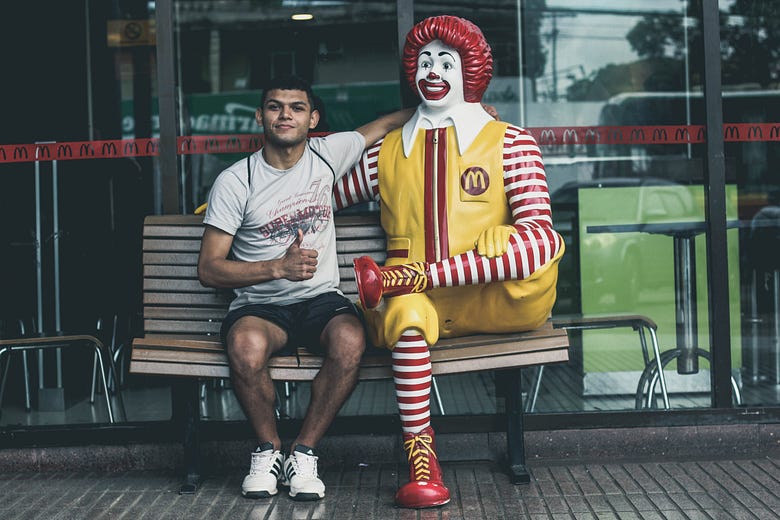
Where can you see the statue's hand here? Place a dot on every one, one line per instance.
(494, 241)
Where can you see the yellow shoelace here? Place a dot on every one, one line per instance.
(419, 448)
(410, 274)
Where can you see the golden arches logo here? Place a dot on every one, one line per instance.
(475, 180)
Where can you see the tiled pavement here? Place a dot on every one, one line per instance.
(731, 488)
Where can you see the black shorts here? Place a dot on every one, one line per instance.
(303, 322)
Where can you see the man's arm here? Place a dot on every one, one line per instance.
(377, 129)
(216, 270)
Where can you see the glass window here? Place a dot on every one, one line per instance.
(622, 88)
(70, 239)
(751, 112)
(227, 51)
(611, 90)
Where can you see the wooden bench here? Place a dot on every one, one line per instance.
(182, 320)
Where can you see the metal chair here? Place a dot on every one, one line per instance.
(645, 393)
(39, 342)
(115, 339)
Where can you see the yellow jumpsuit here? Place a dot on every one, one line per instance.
(434, 204)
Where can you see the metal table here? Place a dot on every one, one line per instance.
(686, 351)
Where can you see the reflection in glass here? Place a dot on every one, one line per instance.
(228, 51)
(750, 88)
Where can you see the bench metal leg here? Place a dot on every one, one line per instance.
(186, 414)
(437, 395)
(7, 352)
(530, 405)
(518, 472)
(25, 368)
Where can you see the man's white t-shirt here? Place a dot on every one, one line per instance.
(265, 212)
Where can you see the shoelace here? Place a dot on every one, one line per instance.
(420, 448)
(305, 465)
(262, 462)
(409, 274)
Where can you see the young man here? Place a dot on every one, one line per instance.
(270, 237)
(470, 244)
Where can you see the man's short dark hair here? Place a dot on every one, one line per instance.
(289, 83)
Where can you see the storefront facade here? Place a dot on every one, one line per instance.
(659, 125)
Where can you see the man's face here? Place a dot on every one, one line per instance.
(439, 77)
(286, 117)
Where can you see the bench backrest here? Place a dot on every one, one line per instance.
(182, 318)
(176, 303)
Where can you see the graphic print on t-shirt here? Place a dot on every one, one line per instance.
(308, 211)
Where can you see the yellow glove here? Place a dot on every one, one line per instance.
(494, 241)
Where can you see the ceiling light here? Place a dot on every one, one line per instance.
(302, 16)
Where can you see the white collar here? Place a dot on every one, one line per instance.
(467, 118)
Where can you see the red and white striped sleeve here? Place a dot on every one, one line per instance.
(525, 185)
(359, 184)
(525, 181)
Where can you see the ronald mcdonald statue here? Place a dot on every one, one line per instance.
(470, 244)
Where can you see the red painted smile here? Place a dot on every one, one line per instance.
(433, 91)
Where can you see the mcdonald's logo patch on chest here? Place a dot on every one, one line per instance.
(474, 180)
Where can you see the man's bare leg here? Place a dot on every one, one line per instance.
(344, 342)
(251, 342)
(343, 339)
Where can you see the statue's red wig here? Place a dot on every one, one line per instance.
(460, 34)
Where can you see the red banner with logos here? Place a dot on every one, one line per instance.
(247, 143)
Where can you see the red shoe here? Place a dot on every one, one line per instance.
(425, 487)
(374, 282)
(369, 281)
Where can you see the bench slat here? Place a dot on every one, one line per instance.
(185, 313)
(346, 259)
(179, 298)
(183, 285)
(190, 259)
(167, 244)
(168, 271)
(179, 342)
(176, 232)
(361, 247)
(362, 230)
(182, 326)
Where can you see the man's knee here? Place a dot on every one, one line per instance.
(248, 351)
(344, 340)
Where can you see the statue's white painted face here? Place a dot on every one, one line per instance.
(439, 77)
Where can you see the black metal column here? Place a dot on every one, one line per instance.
(167, 185)
(515, 443)
(715, 211)
(185, 399)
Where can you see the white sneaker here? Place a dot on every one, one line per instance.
(264, 472)
(300, 473)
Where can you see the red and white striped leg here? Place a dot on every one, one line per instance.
(412, 377)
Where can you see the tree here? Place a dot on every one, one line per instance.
(750, 50)
(751, 53)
